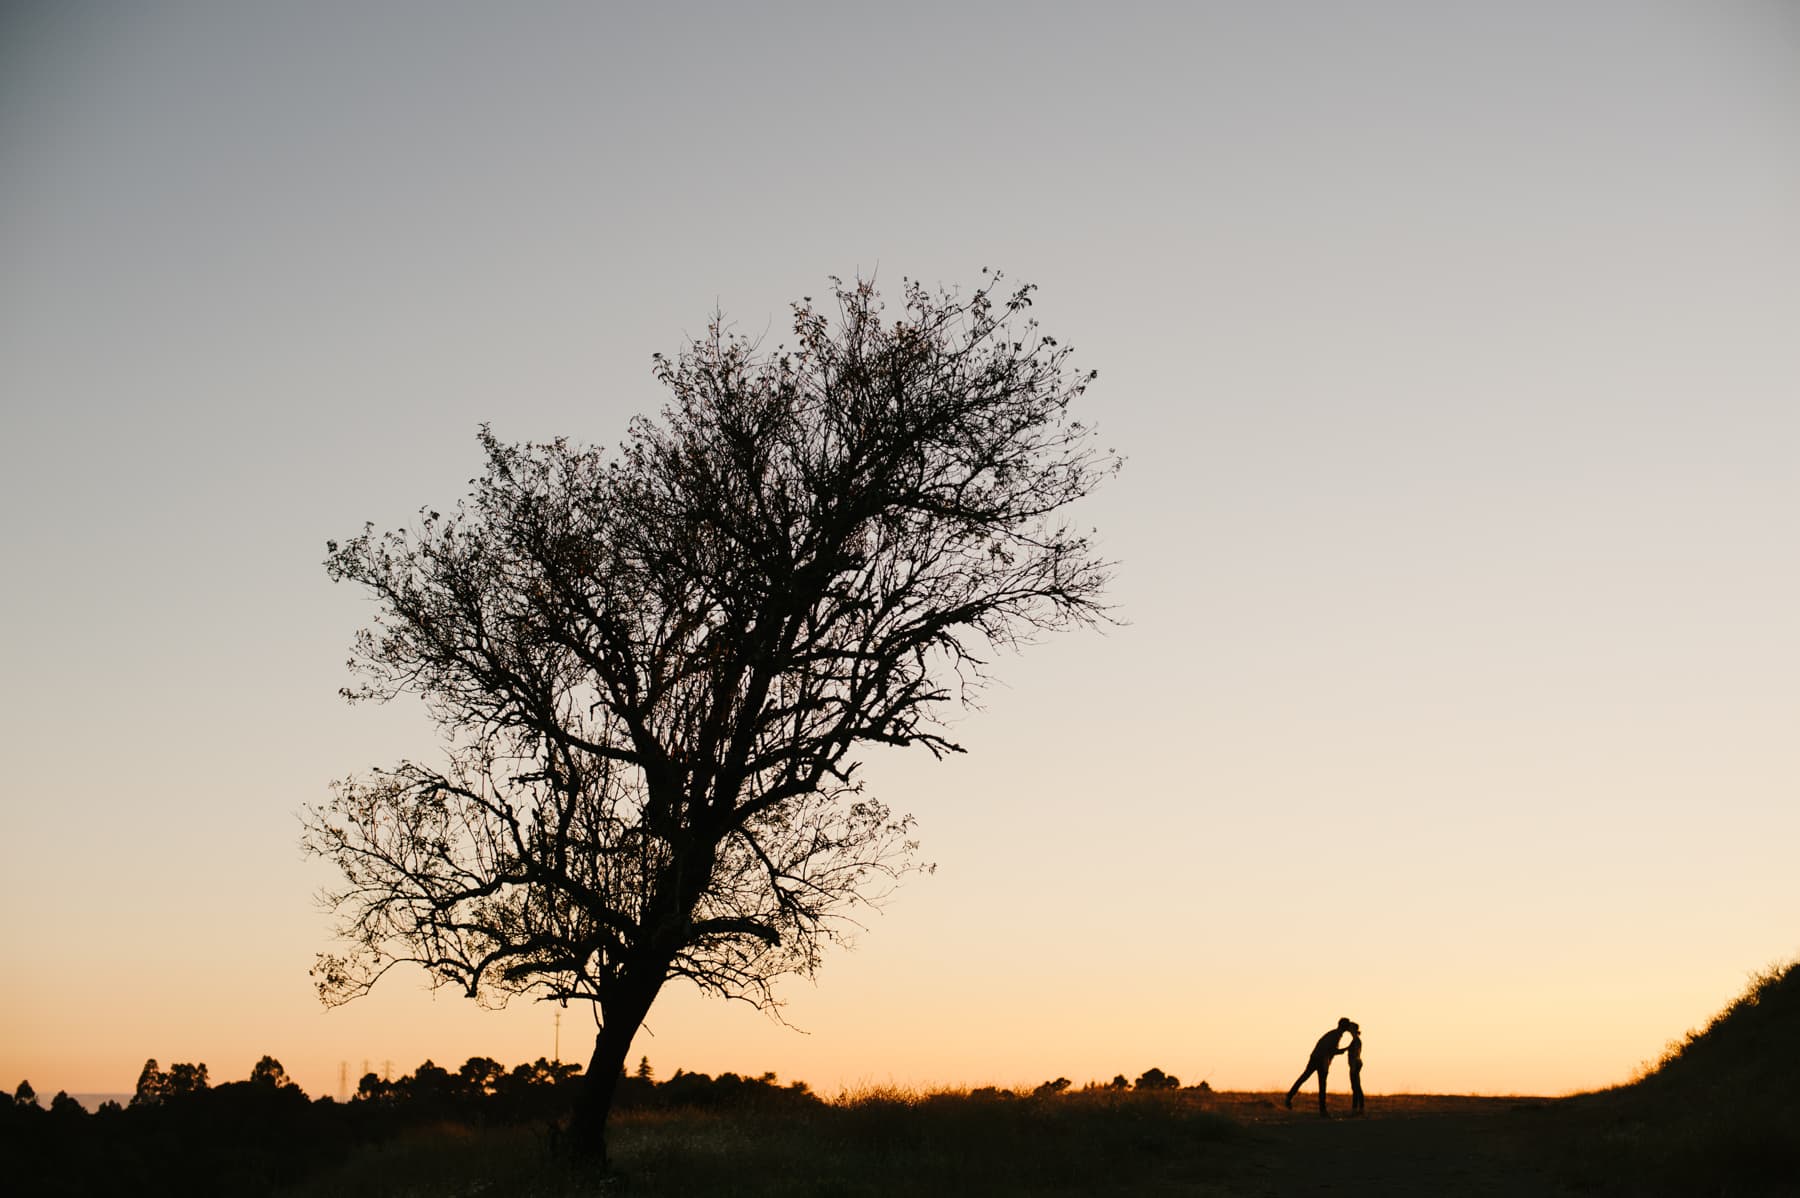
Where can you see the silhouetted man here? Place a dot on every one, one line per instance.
(1320, 1062)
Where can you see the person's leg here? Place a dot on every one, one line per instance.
(1298, 1082)
(1322, 1071)
(1356, 1094)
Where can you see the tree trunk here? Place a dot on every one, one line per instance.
(593, 1106)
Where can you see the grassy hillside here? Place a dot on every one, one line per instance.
(1719, 1115)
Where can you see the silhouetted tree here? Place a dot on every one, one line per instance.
(430, 1087)
(480, 1076)
(644, 1072)
(152, 1085)
(268, 1072)
(538, 1090)
(654, 670)
(65, 1107)
(1155, 1079)
(25, 1095)
(186, 1079)
(542, 1072)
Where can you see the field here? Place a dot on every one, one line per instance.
(1180, 1143)
(1717, 1118)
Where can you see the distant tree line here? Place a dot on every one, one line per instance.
(1150, 1080)
(180, 1134)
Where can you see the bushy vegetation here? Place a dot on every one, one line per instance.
(179, 1135)
(182, 1135)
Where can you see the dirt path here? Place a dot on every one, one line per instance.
(1406, 1147)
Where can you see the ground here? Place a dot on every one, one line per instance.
(1184, 1144)
(1405, 1146)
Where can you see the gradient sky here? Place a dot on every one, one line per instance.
(1454, 347)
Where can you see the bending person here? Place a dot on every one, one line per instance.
(1320, 1062)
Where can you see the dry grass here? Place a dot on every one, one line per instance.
(876, 1142)
(1718, 1117)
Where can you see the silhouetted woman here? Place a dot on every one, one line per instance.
(1353, 1057)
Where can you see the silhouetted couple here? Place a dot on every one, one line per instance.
(1320, 1063)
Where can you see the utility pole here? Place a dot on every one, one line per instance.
(343, 1080)
(557, 1057)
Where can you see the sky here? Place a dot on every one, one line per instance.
(1451, 347)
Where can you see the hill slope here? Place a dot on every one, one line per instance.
(1719, 1115)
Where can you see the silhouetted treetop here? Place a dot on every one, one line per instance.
(152, 1085)
(186, 1079)
(268, 1072)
